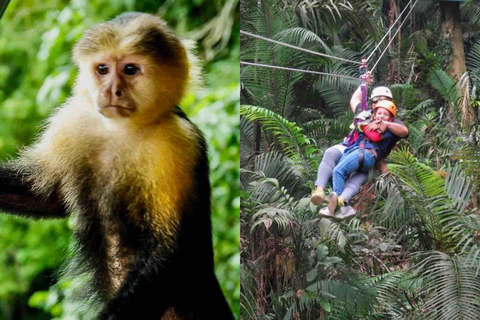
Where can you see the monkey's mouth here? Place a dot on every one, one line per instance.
(116, 111)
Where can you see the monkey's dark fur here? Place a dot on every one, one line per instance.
(134, 173)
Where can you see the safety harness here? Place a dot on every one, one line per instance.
(361, 118)
(363, 87)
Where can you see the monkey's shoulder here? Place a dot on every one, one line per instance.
(179, 113)
(192, 128)
(185, 128)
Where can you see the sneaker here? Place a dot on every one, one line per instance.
(324, 213)
(317, 197)
(345, 212)
(334, 202)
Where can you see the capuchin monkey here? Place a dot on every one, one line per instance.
(125, 161)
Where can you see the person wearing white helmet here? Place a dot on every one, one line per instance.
(381, 92)
(333, 154)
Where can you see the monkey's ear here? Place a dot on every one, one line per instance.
(195, 75)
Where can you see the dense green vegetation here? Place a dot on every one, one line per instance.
(412, 250)
(36, 75)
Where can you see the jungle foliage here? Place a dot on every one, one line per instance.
(36, 75)
(413, 249)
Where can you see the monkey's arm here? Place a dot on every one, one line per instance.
(17, 197)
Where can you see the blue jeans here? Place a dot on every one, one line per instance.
(347, 164)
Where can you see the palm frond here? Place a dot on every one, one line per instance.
(390, 210)
(405, 96)
(268, 216)
(270, 88)
(424, 106)
(458, 188)
(336, 100)
(351, 296)
(452, 287)
(330, 129)
(249, 308)
(296, 145)
(303, 38)
(437, 203)
(397, 295)
(281, 210)
(473, 60)
(333, 231)
(272, 165)
(470, 163)
(345, 85)
(473, 258)
(472, 12)
(445, 85)
(246, 139)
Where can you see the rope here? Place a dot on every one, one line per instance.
(295, 47)
(373, 68)
(386, 34)
(292, 69)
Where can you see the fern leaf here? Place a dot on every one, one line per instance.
(297, 146)
(445, 85)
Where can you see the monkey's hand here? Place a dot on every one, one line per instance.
(17, 197)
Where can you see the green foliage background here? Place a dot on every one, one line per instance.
(36, 75)
(412, 251)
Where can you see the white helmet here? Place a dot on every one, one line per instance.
(381, 92)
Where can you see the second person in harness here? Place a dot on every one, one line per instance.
(367, 147)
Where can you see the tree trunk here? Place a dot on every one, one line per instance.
(452, 34)
(452, 38)
(391, 15)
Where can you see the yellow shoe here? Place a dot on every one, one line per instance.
(335, 202)
(317, 197)
(341, 202)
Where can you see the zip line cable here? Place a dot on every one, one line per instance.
(292, 69)
(326, 55)
(295, 47)
(399, 28)
(386, 34)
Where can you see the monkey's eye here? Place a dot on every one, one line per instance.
(102, 69)
(130, 70)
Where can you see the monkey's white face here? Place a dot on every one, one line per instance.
(114, 88)
(131, 86)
